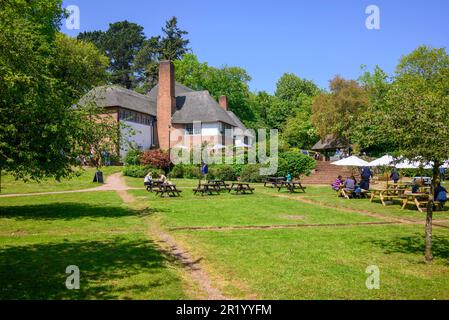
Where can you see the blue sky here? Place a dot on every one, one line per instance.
(315, 39)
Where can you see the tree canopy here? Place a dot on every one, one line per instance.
(133, 57)
(42, 75)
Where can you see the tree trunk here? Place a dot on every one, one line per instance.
(430, 204)
(428, 252)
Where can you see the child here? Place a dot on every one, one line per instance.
(337, 184)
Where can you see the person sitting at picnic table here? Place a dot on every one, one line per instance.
(440, 194)
(395, 176)
(349, 186)
(338, 183)
(418, 184)
(289, 177)
(163, 179)
(148, 180)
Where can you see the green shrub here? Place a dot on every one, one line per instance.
(192, 172)
(295, 163)
(132, 158)
(251, 173)
(140, 171)
(177, 171)
(226, 173)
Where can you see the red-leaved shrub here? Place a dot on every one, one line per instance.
(156, 158)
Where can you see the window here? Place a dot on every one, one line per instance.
(191, 129)
(133, 116)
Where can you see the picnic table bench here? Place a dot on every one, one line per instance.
(168, 189)
(274, 182)
(291, 186)
(207, 188)
(241, 188)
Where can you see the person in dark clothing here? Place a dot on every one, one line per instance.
(366, 176)
(395, 176)
(439, 190)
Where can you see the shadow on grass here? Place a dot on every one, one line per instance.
(38, 271)
(65, 211)
(414, 244)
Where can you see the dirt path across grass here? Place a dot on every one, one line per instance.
(114, 182)
(283, 226)
(168, 243)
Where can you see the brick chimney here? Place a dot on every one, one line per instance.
(166, 103)
(223, 101)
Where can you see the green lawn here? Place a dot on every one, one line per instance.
(40, 236)
(83, 180)
(110, 242)
(324, 263)
(305, 263)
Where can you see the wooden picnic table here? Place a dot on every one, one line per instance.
(291, 186)
(387, 195)
(420, 200)
(241, 188)
(221, 184)
(153, 184)
(274, 181)
(168, 189)
(207, 188)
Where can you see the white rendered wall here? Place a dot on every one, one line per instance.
(142, 138)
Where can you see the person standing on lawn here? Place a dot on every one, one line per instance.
(366, 176)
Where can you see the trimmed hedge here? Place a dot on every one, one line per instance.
(140, 171)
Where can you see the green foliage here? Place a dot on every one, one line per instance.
(368, 132)
(226, 173)
(139, 171)
(134, 59)
(133, 156)
(337, 113)
(173, 46)
(292, 88)
(251, 173)
(299, 131)
(42, 75)
(121, 43)
(416, 107)
(295, 163)
(229, 81)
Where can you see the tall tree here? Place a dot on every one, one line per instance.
(369, 128)
(337, 113)
(417, 115)
(121, 43)
(40, 76)
(173, 45)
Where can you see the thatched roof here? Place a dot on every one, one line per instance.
(330, 143)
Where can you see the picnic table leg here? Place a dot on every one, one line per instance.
(373, 195)
(404, 203)
(418, 206)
